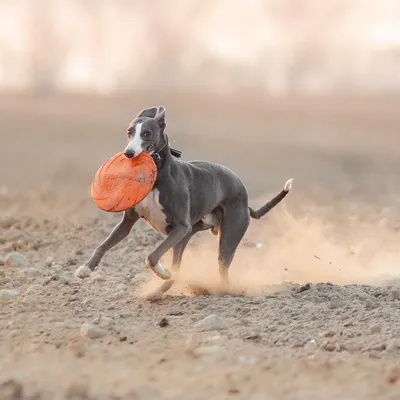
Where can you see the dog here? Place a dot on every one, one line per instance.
(187, 197)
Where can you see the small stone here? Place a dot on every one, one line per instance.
(66, 278)
(255, 337)
(305, 287)
(83, 272)
(7, 295)
(92, 331)
(211, 323)
(16, 260)
(34, 289)
(164, 322)
(32, 272)
(49, 261)
(311, 346)
(330, 346)
(375, 329)
(15, 332)
(104, 321)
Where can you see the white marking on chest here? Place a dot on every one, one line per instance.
(136, 143)
(151, 210)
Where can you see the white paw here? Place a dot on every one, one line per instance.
(159, 270)
(288, 185)
(83, 272)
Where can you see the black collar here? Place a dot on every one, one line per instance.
(157, 157)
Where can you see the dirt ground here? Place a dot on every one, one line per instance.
(314, 309)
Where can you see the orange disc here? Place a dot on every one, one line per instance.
(121, 183)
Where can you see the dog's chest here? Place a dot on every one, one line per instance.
(150, 209)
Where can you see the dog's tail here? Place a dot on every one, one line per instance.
(257, 214)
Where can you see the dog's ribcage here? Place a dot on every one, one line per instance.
(150, 209)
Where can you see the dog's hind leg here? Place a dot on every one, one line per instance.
(235, 222)
(181, 246)
(120, 232)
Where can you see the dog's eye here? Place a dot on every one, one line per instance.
(146, 133)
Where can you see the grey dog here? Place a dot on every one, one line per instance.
(187, 197)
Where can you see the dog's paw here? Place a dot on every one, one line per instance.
(288, 185)
(159, 270)
(83, 272)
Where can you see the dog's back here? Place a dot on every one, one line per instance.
(213, 182)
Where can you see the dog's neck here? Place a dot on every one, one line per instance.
(162, 152)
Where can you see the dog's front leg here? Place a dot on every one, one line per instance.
(120, 232)
(176, 262)
(174, 237)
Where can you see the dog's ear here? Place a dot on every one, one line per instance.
(148, 112)
(160, 117)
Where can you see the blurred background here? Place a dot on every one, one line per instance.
(271, 88)
(277, 46)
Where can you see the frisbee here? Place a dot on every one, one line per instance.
(121, 183)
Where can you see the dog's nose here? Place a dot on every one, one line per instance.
(129, 154)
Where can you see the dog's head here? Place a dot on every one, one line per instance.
(146, 132)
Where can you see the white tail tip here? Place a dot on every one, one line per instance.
(288, 185)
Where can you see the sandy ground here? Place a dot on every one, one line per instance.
(315, 300)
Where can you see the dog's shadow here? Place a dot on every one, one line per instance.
(197, 288)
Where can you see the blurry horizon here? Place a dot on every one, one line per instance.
(278, 47)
